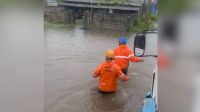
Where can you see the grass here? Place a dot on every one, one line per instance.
(51, 24)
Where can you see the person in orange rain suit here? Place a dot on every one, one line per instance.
(108, 73)
(123, 55)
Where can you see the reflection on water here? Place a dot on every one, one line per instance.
(71, 56)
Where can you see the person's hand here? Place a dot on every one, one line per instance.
(141, 60)
(95, 76)
(125, 78)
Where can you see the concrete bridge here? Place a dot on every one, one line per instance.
(93, 14)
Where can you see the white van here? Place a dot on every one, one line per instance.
(145, 45)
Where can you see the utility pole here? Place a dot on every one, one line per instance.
(143, 8)
(146, 13)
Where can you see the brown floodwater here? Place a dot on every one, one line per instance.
(71, 56)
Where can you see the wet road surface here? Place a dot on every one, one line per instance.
(71, 56)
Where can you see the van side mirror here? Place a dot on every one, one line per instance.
(139, 44)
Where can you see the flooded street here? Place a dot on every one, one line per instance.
(71, 56)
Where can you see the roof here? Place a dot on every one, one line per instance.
(51, 2)
(128, 2)
(130, 8)
(94, 4)
(86, 1)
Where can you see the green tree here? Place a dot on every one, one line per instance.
(144, 23)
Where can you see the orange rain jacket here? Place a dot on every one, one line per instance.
(108, 73)
(162, 60)
(122, 56)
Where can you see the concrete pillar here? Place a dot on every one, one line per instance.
(86, 15)
(69, 16)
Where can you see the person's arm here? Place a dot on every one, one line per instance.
(133, 58)
(121, 76)
(96, 72)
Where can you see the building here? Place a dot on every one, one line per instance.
(95, 14)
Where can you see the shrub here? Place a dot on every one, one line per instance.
(140, 23)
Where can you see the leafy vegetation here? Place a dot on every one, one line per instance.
(144, 23)
(47, 23)
(173, 6)
(52, 24)
(114, 2)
